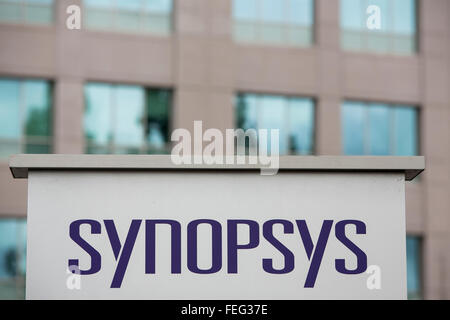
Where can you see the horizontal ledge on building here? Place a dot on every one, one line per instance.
(20, 164)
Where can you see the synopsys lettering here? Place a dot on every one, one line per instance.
(314, 250)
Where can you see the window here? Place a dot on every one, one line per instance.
(294, 117)
(26, 11)
(25, 117)
(135, 16)
(278, 22)
(12, 258)
(379, 129)
(397, 33)
(413, 266)
(126, 119)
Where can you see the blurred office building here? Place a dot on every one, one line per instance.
(138, 69)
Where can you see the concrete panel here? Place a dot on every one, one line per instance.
(193, 17)
(68, 116)
(222, 62)
(215, 109)
(434, 16)
(221, 18)
(435, 127)
(382, 78)
(415, 206)
(330, 73)
(438, 208)
(127, 58)
(276, 69)
(327, 12)
(436, 81)
(436, 269)
(193, 61)
(28, 51)
(328, 126)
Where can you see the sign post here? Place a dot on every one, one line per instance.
(141, 227)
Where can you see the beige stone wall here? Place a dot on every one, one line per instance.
(206, 68)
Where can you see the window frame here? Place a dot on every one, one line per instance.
(17, 281)
(389, 34)
(23, 6)
(420, 264)
(115, 11)
(286, 26)
(287, 98)
(367, 105)
(24, 139)
(111, 147)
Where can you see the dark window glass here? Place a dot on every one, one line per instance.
(157, 131)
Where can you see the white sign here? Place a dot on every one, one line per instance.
(202, 234)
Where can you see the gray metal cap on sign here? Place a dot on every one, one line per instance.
(22, 163)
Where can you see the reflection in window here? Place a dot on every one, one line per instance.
(379, 129)
(12, 258)
(413, 266)
(279, 22)
(293, 116)
(135, 16)
(126, 119)
(397, 34)
(27, 11)
(25, 116)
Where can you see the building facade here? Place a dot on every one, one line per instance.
(136, 70)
